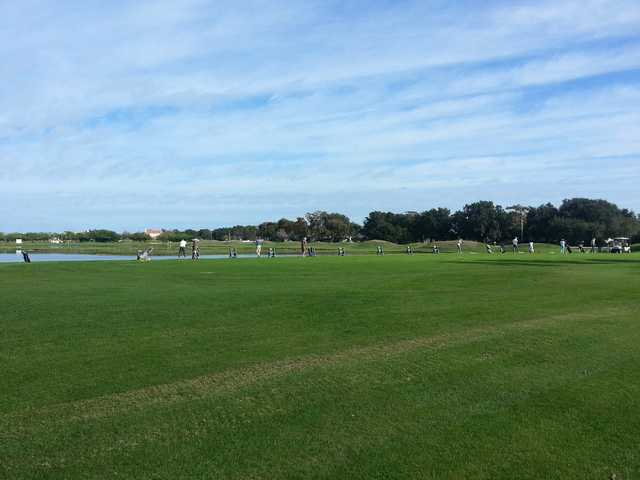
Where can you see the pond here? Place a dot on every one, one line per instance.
(84, 257)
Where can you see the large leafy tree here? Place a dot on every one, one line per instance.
(482, 221)
(540, 223)
(268, 230)
(332, 227)
(434, 224)
(386, 226)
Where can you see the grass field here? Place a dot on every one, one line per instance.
(214, 247)
(443, 367)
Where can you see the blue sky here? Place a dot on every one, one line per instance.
(196, 113)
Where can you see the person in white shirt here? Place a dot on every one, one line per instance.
(182, 251)
(515, 245)
(563, 247)
(531, 248)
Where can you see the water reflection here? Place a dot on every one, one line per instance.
(84, 257)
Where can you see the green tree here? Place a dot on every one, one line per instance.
(481, 221)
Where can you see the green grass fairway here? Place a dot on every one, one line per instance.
(443, 367)
(214, 247)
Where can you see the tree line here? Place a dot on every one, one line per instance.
(575, 220)
(318, 226)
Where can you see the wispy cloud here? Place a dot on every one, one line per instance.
(125, 114)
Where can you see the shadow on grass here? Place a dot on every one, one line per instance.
(552, 263)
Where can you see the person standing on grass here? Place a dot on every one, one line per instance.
(258, 247)
(515, 244)
(182, 250)
(195, 251)
(593, 245)
(303, 246)
(563, 247)
(459, 245)
(531, 248)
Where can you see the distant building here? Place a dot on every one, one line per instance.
(153, 232)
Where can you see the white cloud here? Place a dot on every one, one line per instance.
(266, 107)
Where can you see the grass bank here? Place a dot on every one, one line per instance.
(214, 247)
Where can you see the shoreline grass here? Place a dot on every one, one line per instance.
(214, 247)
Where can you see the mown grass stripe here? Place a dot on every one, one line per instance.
(235, 379)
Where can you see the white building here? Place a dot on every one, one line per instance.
(153, 232)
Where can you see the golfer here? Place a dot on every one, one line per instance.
(531, 248)
(515, 244)
(258, 247)
(459, 245)
(563, 247)
(195, 251)
(182, 251)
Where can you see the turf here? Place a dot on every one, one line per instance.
(215, 247)
(447, 366)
